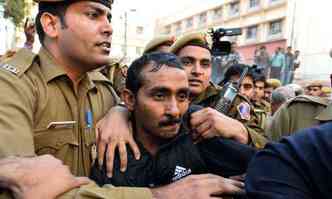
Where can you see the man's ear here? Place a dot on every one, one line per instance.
(129, 99)
(51, 24)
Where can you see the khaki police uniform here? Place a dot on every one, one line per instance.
(299, 113)
(211, 97)
(42, 112)
(114, 74)
(263, 111)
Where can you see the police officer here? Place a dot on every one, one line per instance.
(314, 88)
(299, 113)
(194, 52)
(261, 107)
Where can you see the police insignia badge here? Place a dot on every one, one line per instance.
(244, 110)
(10, 68)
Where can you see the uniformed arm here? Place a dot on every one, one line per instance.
(93, 191)
(37, 178)
(191, 187)
(257, 136)
(16, 115)
(280, 124)
(209, 123)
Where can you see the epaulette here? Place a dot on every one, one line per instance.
(20, 62)
(308, 99)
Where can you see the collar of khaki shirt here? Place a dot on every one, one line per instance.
(211, 90)
(51, 69)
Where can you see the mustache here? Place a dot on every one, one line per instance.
(170, 121)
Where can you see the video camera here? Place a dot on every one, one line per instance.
(220, 48)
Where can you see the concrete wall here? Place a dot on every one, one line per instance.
(312, 35)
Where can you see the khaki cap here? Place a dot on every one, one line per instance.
(315, 83)
(158, 41)
(187, 39)
(275, 83)
(327, 90)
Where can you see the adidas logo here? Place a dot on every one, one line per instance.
(180, 172)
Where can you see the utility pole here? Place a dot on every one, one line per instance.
(125, 45)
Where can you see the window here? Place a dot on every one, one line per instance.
(139, 30)
(253, 4)
(168, 29)
(275, 27)
(234, 8)
(252, 32)
(202, 19)
(217, 13)
(189, 23)
(178, 28)
(139, 50)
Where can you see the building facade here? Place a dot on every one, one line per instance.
(131, 31)
(263, 22)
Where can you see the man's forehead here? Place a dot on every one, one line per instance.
(164, 75)
(195, 51)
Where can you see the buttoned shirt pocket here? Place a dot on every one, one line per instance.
(60, 143)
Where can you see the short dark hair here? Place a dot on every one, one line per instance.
(259, 75)
(55, 8)
(157, 59)
(236, 69)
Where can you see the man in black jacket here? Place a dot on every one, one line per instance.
(298, 167)
(157, 95)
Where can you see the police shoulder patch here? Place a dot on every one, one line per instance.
(244, 110)
(10, 68)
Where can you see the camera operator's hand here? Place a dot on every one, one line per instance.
(37, 178)
(199, 187)
(210, 123)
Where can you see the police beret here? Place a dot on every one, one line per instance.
(327, 90)
(196, 38)
(275, 83)
(107, 3)
(158, 41)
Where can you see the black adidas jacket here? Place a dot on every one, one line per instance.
(177, 159)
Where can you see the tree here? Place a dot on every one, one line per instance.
(15, 10)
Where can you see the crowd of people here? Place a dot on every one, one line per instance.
(77, 124)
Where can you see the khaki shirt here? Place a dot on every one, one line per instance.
(41, 112)
(299, 113)
(263, 111)
(92, 191)
(211, 97)
(114, 74)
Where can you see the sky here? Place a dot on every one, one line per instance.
(159, 8)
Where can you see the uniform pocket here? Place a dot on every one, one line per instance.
(56, 142)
